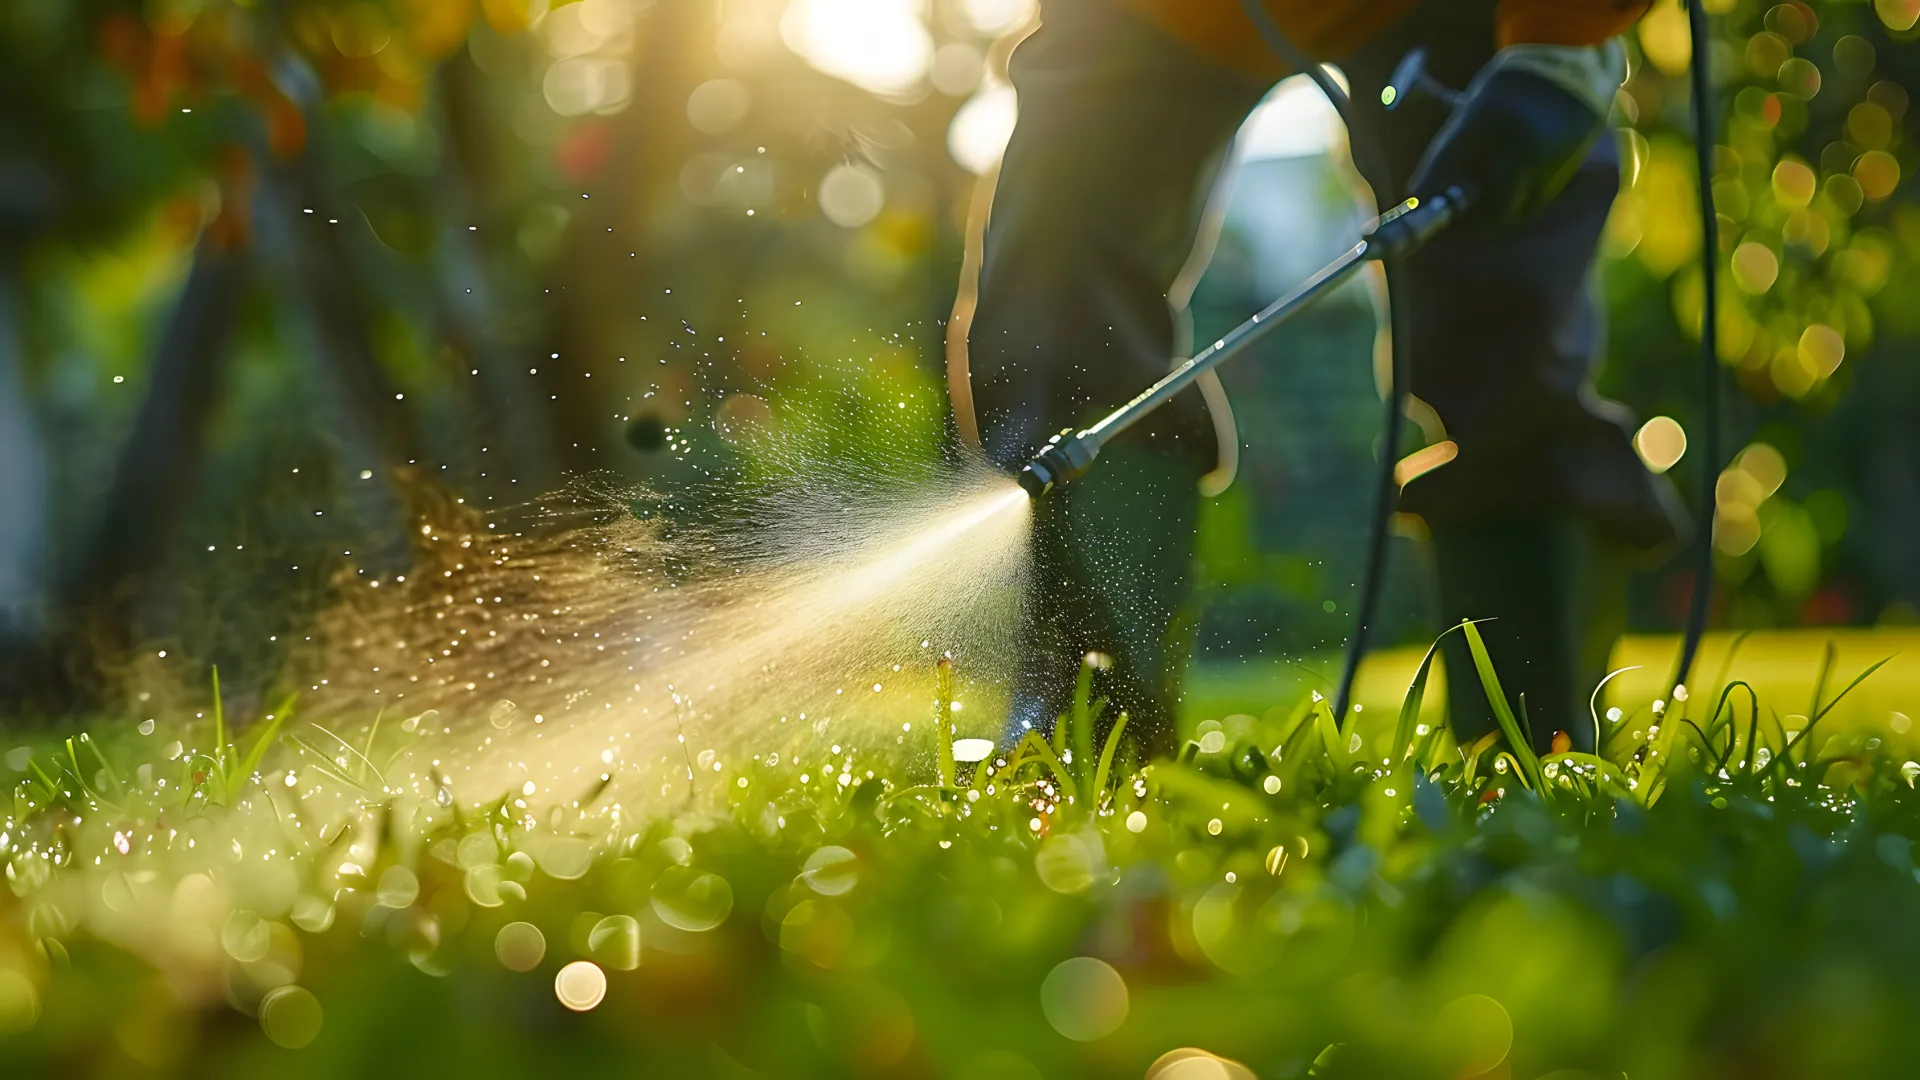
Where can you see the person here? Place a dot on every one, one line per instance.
(1127, 112)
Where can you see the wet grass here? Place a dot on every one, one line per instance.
(1727, 889)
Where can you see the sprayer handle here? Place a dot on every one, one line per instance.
(1406, 231)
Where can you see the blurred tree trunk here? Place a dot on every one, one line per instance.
(606, 271)
(154, 471)
(23, 478)
(512, 422)
(366, 422)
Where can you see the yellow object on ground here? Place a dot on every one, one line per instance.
(1782, 666)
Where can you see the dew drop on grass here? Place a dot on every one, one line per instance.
(1136, 822)
(1214, 826)
(1271, 785)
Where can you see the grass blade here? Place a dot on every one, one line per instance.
(1520, 739)
(1593, 702)
(1106, 758)
(1820, 684)
(219, 721)
(349, 748)
(1052, 761)
(1331, 736)
(263, 739)
(1415, 697)
(943, 718)
(1837, 698)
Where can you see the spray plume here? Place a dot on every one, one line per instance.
(598, 652)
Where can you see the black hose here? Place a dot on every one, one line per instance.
(1372, 164)
(1705, 141)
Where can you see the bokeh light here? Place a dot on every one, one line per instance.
(1660, 442)
(831, 871)
(1084, 998)
(981, 128)
(291, 1016)
(520, 946)
(580, 986)
(851, 195)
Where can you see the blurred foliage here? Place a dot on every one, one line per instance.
(1821, 248)
(489, 244)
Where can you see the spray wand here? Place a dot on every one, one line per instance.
(1402, 231)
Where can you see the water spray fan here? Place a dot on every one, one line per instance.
(1399, 233)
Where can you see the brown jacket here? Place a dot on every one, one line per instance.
(1333, 28)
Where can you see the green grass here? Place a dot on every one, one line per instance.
(1715, 894)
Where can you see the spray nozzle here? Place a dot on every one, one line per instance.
(1407, 228)
(1066, 456)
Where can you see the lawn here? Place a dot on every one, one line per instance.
(1288, 898)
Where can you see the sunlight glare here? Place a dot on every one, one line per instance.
(878, 45)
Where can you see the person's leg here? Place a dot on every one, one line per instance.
(1099, 199)
(1529, 521)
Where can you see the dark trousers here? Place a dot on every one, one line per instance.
(1100, 198)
